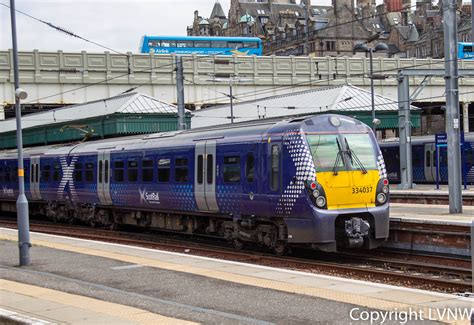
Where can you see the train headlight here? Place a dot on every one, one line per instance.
(385, 189)
(316, 193)
(320, 201)
(381, 198)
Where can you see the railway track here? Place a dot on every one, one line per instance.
(426, 271)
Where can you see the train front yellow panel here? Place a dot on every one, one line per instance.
(349, 189)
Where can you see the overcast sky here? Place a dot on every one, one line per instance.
(117, 24)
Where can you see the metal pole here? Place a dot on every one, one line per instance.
(452, 106)
(472, 253)
(180, 92)
(404, 129)
(372, 90)
(21, 203)
(231, 102)
(306, 44)
(472, 21)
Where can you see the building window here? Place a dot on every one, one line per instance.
(330, 45)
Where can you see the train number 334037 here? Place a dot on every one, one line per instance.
(361, 189)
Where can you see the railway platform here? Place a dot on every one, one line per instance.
(81, 282)
(428, 194)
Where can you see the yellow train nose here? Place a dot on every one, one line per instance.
(349, 189)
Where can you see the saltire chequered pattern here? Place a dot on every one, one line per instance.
(381, 166)
(67, 178)
(305, 170)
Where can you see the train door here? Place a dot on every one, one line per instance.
(430, 162)
(103, 177)
(205, 176)
(274, 170)
(35, 178)
(250, 180)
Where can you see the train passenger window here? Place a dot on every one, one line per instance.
(15, 175)
(210, 169)
(200, 169)
(100, 171)
(132, 170)
(428, 158)
(147, 170)
(56, 172)
(89, 172)
(118, 171)
(232, 169)
(1, 174)
(106, 174)
(181, 170)
(164, 170)
(45, 173)
(275, 167)
(250, 168)
(7, 174)
(37, 173)
(78, 172)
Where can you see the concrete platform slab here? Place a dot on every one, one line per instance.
(201, 289)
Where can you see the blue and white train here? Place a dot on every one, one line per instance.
(427, 161)
(314, 181)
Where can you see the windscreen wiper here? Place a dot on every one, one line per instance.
(353, 157)
(338, 158)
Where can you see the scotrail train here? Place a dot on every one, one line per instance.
(427, 161)
(314, 181)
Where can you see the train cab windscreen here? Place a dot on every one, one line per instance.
(327, 151)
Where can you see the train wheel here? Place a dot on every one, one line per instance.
(281, 249)
(238, 244)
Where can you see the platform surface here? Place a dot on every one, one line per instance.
(181, 288)
(430, 213)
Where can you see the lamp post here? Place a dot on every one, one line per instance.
(21, 203)
(379, 47)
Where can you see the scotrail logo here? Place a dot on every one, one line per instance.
(149, 197)
(8, 191)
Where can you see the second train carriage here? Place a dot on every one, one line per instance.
(317, 181)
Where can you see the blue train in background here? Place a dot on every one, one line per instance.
(316, 181)
(426, 160)
(201, 45)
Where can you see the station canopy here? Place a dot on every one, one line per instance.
(344, 99)
(124, 114)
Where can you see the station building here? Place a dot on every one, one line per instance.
(124, 114)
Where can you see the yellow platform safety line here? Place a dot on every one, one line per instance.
(349, 298)
(349, 189)
(133, 314)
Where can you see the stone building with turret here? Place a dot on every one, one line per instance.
(297, 27)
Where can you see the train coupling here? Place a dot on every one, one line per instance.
(356, 229)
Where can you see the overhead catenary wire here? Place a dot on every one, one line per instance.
(254, 93)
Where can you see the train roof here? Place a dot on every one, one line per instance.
(238, 132)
